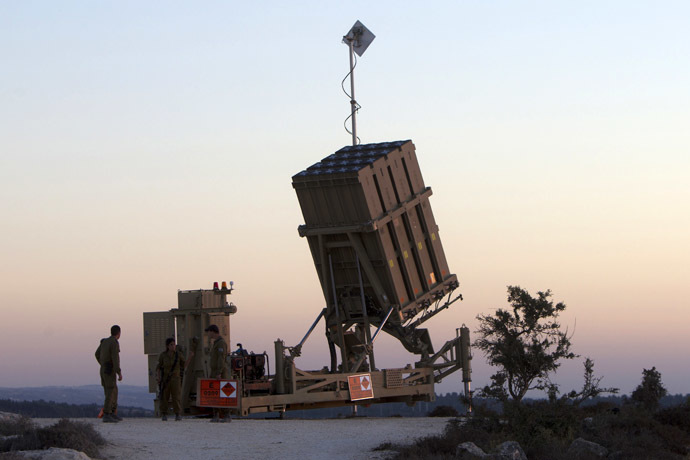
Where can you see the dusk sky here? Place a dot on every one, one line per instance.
(147, 147)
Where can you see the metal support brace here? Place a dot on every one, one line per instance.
(296, 350)
(367, 330)
(371, 344)
(383, 323)
(341, 336)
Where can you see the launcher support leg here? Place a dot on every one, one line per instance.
(466, 359)
(341, 335)
(365, 314)
(371, 343)
(298, 348)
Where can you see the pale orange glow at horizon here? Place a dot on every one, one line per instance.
(136, 161)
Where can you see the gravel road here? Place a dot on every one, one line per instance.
(351, 438)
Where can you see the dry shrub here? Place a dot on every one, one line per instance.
(72, 435)
(436, 447)
(678, 416)
(15, 425)
(440, 447)
(64, 434)
(635, 434)
(546, 430)
(385, 446)
(543, 429)
(11, 456)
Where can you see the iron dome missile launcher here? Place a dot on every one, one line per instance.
(378, 255)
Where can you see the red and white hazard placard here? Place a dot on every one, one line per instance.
(360, 387)
(216, 393)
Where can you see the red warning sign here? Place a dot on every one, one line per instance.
(216, 393)
(360, 387)
(227, 390)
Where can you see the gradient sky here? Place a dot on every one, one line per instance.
(147, 147)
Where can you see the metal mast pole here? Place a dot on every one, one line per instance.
(353, 102)
(358, 40)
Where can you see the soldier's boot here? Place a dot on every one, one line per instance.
(164, 418)
(177, 417)
(108, 418)
(116, 417)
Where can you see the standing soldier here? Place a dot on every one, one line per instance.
(108, 356)
(219, 367)
(169, 378)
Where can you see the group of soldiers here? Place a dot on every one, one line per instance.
(169, 371)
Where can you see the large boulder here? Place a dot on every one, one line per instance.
(53, 453)
(469, 451)
(509, 450)
(584, 448)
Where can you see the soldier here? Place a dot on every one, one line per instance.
(168, 375)
(219, 368)
(108, 356)
(241, 351)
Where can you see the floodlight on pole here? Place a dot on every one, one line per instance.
(358, 40)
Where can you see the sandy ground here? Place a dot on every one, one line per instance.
(353, 438)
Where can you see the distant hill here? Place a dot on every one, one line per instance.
(51, 409)
(137, 397)
(129, 395)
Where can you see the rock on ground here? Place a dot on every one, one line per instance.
(581, 447)
(510, 450)
(469, 451)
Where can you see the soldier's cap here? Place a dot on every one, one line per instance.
(212, 328)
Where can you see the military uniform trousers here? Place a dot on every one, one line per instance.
(222, 412)
(171, 389)
(109, 383)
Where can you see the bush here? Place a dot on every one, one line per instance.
(64, 434)
(599, 407)
(678, 416)
(543, 428)
(11, 456)
(637, 435)
(650, 391)
(15, 425)
(546, 429)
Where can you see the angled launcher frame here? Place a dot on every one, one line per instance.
(376, 248)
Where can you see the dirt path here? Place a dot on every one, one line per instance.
(136, 439)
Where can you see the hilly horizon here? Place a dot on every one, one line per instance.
(129, 395)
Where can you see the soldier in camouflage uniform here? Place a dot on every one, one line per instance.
(108, 356)
(219, 367)
(171, 363)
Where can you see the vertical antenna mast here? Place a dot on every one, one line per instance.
(353, 101)
(358, 40)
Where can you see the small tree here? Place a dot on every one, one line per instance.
(590, 388)
(525, 342)
(650, 391)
